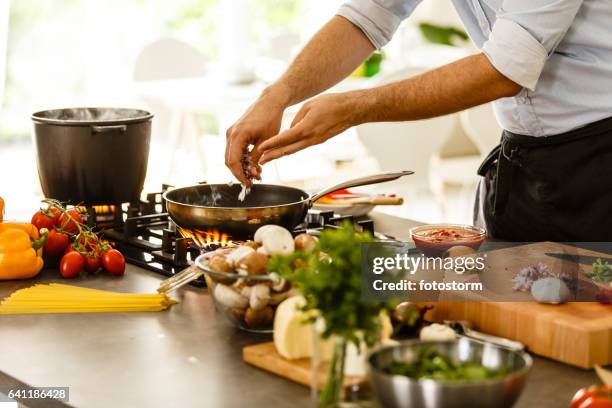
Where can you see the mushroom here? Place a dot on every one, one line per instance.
(254, 264)
(237, 254)
(280, 242)
(219, 263)
(255, 319)
(240, 284)
(252, 244)
(305, 242)
(262, 250)
(277, 298)
(229, 297)
(246, 291)
(260, 296)
(238, 314)
(265, 230)
(281, 285)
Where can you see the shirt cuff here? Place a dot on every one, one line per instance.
(376, 22)
(515, 53)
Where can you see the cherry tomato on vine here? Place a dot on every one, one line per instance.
(56, 244)
(92, 262)
(71, 264)
(45, 218)
(114, 262)
(68, 221)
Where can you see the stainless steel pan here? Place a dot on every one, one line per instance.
(216, 206)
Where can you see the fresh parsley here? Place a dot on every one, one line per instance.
(602, 272)
(330, 280)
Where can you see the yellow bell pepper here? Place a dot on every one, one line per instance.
(20, 251)
(26, 227)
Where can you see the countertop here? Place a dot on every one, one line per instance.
(187, 356)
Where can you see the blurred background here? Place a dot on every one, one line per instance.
(198, 64)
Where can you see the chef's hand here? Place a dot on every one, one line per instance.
(260, 122)
(319, 119)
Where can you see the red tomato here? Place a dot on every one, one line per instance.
(597, 402)
(114, 262)
(588, 397)
(56, 243)
(580, 396)
(69, 248)
(67, 220)
(45, 218)
(92, 262)
(71, 264)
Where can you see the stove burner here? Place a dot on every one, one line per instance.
(147, 237)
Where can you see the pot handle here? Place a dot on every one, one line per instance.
(362, 181)
(110, 128)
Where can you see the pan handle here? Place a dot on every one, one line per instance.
(362, 181)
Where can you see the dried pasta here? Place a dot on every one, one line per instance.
(59, 298)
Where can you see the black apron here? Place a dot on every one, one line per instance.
(554, 188)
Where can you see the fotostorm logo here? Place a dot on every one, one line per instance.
(412, 264)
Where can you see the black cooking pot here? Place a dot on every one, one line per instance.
(92, 155)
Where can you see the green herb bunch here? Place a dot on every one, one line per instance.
(329, 278)
(602, 272)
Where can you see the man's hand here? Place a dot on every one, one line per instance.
(318, 120)
(332, 54)
(260, 122)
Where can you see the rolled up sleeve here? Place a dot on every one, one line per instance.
(378, 19)
(525, 33)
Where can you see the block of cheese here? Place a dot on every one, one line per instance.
(293, 338)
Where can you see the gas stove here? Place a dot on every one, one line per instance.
(148, 238)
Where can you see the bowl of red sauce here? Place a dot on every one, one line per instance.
(435, 240)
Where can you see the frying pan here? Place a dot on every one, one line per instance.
(216, 206)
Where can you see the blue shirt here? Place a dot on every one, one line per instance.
(559, 51)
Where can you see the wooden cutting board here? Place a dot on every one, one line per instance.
(578, 333)
(264, 356)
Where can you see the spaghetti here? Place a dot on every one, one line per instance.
(59, 298)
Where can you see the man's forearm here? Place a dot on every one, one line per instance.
(461, 85)
(330, 56)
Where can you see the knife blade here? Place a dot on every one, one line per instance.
(580, 259)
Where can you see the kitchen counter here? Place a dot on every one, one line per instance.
(186, 356)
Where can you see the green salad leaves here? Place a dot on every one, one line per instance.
(432, 365)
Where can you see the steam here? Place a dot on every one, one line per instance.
(92, 114)
(210, 200)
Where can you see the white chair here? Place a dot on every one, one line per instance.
(168, 59)
(481, 127)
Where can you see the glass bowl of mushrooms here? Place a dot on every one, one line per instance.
(242, 287)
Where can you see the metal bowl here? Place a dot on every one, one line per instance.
(401, 391)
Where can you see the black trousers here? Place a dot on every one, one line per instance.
(555, 188)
